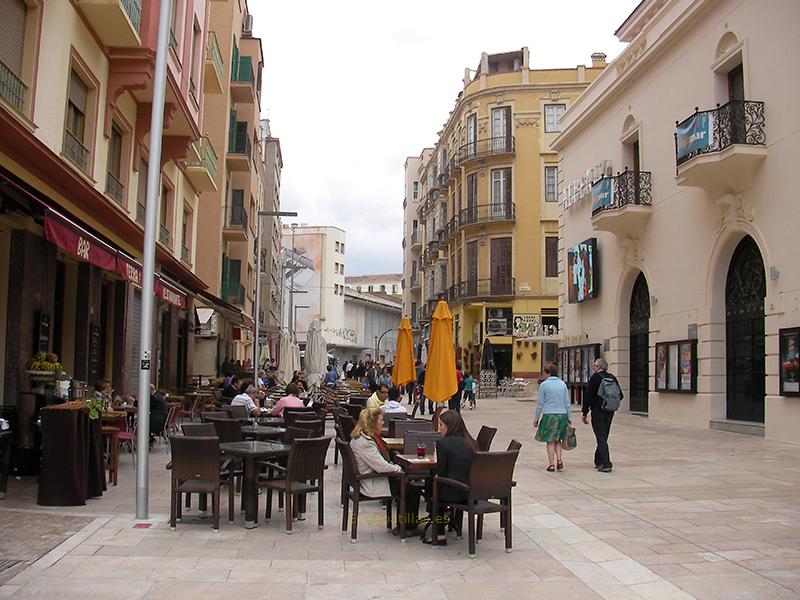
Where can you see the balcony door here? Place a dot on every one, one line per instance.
(472, 200)
(472, 269)
(472, 133)
(501, 194)
(639, 345)
(736, 98)
(501, 129)
(501, 266)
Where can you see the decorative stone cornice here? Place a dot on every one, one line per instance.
(631, 55)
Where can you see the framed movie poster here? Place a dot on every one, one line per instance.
(582, 271)
(789, 361)
(570, 365)
(576, 375)
(564, 365)
(676, 366)
(661, 366)
(586, 363)
(672, 367)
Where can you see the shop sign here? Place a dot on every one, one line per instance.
(602, 193)
(130, 270)
(695, 134)
(77, 242)
(580, 188)
(526, 325)
(169, 294)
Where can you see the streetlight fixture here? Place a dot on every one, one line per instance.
(256, 308)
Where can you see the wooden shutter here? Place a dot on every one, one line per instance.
(12, 34)
(501, 265)
(551, 257)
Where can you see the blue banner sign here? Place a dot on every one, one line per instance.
(695, 133)
(602, 193)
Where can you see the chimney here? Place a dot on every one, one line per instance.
(598, 60)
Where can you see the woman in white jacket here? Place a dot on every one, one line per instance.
(372, 456)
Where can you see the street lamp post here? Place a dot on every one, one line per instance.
(256, 309)
(291, 285)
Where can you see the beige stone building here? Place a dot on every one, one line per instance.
(382, 283)
(412, 236)
(678, 167)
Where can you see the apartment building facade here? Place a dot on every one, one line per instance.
(379, 283)
(489, 212)
(271, 267)
(76, 85)
(412, 235)
(690, 294)
(227, 220)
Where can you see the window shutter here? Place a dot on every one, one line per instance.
(12, 34)
(77, 91)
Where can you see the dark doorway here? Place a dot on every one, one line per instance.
(639, 345)
(745, 289)
(502, 360)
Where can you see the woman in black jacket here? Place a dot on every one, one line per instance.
(453, 460)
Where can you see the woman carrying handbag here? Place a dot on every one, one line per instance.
(552, 416)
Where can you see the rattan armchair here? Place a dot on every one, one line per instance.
(351, 492)
(485, 437)
(195, 469)
(490, 478)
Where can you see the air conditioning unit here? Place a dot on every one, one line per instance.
(247, 25)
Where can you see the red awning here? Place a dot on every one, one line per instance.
(129, 269)
(169, 294)
(78, 242)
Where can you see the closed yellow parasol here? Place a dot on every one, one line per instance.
(440, 374)
(403, 371)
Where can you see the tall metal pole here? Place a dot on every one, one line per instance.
(257, 309)
(148, 266)
(291, 286)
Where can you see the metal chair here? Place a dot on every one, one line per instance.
(351, 492)
(490, 478)
(303, 473)
(485, 437)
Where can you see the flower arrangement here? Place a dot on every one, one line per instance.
(94, 406)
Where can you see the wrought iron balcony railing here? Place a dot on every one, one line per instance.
(482, 288)
(415, 237)
(485, 213)
(235, 217)
(114, 187)
(12, 89)
(414, 280)
(76, 151)
(186, 255)
(208, 156)
(165, 236)
(140, 213)
(133, 8)
(737, 122)
(486, 147)
(630, 187)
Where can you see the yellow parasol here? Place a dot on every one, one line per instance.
(440, 375)
(403, 371)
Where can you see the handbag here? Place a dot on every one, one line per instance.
(570, 440)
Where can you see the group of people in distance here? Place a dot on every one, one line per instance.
(454, 452)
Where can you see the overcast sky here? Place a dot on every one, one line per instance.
(352, 88)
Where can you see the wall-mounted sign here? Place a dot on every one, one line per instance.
(526, 325)
(582, 271)
(790, 361)
(602, 193)
(695, 133)
(582, 187)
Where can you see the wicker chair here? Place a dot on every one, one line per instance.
(354, 410)
(303, 473)
(199, 429)
(401, 428)
(205, 416)
(351, 492)
(238, 412)
(490, 478)
(348, 424)
(195, 470)
(514, 446)
(485, 437)
(316, 425)
(229, 475)
(228, 430)
(413, 438)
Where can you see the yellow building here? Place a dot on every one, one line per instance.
(489, 211)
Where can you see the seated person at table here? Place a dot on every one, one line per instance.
(103, 391)
(454, 459)
(393, 405)
(331, 376)
(247, 399)
(231, 390)
(290, 400)
(158, 413)
(372, 456)
(378, 397)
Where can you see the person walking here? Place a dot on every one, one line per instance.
(469, 391)
(421, 388)
(603, 390)
(552, 416)
(455, 400)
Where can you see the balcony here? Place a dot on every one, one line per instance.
(496, 146)
(235, 226)
(239, 151)
(243, 81)
(12, 89)
(140, 210)
(415, 239)
(115, 189)
(413, 281)
(214, 66)
(719, 149)
(116, 22)
(75, 151)
(186, 256)
(443, 178)
(165, 236)
(480, 289)
(201, 169)
(629, 207)
(233, 292)
(453, 168)
(498, 212)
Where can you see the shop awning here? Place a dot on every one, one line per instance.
(131, 270)
(78, 242)
(228, 311)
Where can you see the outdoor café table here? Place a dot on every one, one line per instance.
(274, 421)
(394, 443)
(410, 462)
(250, 452)
(263, 433)
(5, 460)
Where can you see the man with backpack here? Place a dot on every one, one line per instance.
(603, 397)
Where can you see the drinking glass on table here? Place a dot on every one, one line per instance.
(421, 450)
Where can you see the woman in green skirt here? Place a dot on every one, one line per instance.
(552, 416)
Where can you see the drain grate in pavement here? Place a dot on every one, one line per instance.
(7, 563)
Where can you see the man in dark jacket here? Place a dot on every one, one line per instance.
(158, 413)
(601, 419)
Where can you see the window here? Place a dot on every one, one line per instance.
(551, 184)
(114, 186)
(141, 192)
(12, 47)
(194, 51)
(414, 310)
(341, 246)
(186, 232)
(369, 288)
(551, 256)
(415, 193)
(358, 289)
(552, 117)
(75, 123)
(383, 289)
(165, 217)
(394, 288)
(501, 193)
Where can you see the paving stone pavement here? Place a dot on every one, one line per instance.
(685, 514)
